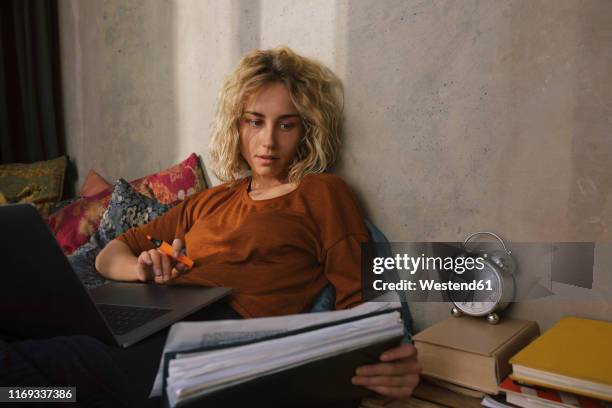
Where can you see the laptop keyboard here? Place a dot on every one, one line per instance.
(123, 319)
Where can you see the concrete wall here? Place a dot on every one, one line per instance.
(460, 115)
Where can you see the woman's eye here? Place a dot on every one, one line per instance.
(287, 126)
(255, 122)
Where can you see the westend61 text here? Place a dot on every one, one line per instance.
(430, 284)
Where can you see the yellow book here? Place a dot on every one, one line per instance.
(574, 355)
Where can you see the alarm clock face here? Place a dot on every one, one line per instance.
(485, 297)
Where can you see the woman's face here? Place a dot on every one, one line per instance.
(270, 131)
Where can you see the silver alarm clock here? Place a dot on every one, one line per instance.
(495, 278)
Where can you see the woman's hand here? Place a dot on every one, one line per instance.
(397, 376)
(152, 265)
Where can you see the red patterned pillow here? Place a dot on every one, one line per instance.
(74, 224)
(175, 183)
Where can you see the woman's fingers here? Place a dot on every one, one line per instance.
(156, 259)
(397, 360)
(162, 266)
(166, 267)
(144, 258)
(159, 267)
(178, 270)
(409, 366)
(143, 267)
(395, 377)
(177, 247)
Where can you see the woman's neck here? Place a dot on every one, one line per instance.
(265, 183)
(269, 188)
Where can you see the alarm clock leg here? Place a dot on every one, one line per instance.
(456, 312)
(493, 318)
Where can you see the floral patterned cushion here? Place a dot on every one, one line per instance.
(74, 224)
(175, 183)
(126, 209)
(40, 183)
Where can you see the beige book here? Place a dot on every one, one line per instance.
(398, 403)
(456, 389)
(470, 352)
(445, 394)
(427, 395)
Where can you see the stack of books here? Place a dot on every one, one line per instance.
(508, 365)
(568, 366)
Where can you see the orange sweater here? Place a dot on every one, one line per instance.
(276, 254)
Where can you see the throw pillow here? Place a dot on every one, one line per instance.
(93, 184)
(126, 209)
(74, 224)
(40, 183)
(175, 183)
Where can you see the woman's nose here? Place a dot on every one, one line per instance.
(268, 137)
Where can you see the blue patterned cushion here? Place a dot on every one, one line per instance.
(126, 209)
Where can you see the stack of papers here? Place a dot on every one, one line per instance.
(201, 358)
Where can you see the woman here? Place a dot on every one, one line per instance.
(280, 235)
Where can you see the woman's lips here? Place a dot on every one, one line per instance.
(266, 160)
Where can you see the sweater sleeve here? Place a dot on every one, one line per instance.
(343, 270)
(342, 231)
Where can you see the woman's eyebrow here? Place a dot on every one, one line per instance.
(283, 116)
(289, 115)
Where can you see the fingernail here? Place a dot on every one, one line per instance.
(354, 380)
(384, 357)
(157, 272)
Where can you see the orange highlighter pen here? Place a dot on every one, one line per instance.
(166, 248)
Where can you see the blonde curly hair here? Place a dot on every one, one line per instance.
(316, 92)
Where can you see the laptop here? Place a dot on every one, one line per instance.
(41, 296)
